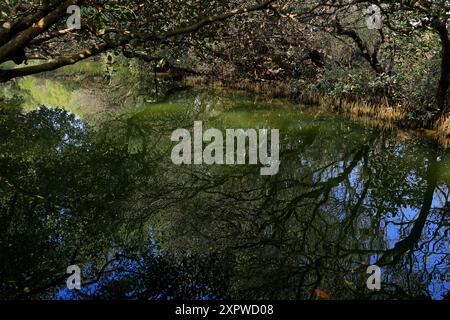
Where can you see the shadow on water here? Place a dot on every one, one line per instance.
(109, 199)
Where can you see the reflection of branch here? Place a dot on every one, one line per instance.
(325, 187)
(354, 210)
(102, 271)
(412, 239)
(53, 283)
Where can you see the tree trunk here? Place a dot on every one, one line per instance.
(23, 38)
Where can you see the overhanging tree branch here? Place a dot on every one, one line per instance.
(53, 64)
(23, 38)
(212, 19)
(31, 36)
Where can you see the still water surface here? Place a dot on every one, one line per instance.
(347, 196)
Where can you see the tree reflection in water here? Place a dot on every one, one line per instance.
(346, 197)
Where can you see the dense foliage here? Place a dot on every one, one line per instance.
(310, 46)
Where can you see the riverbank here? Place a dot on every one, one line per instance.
(86, 90)
(380, 115)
